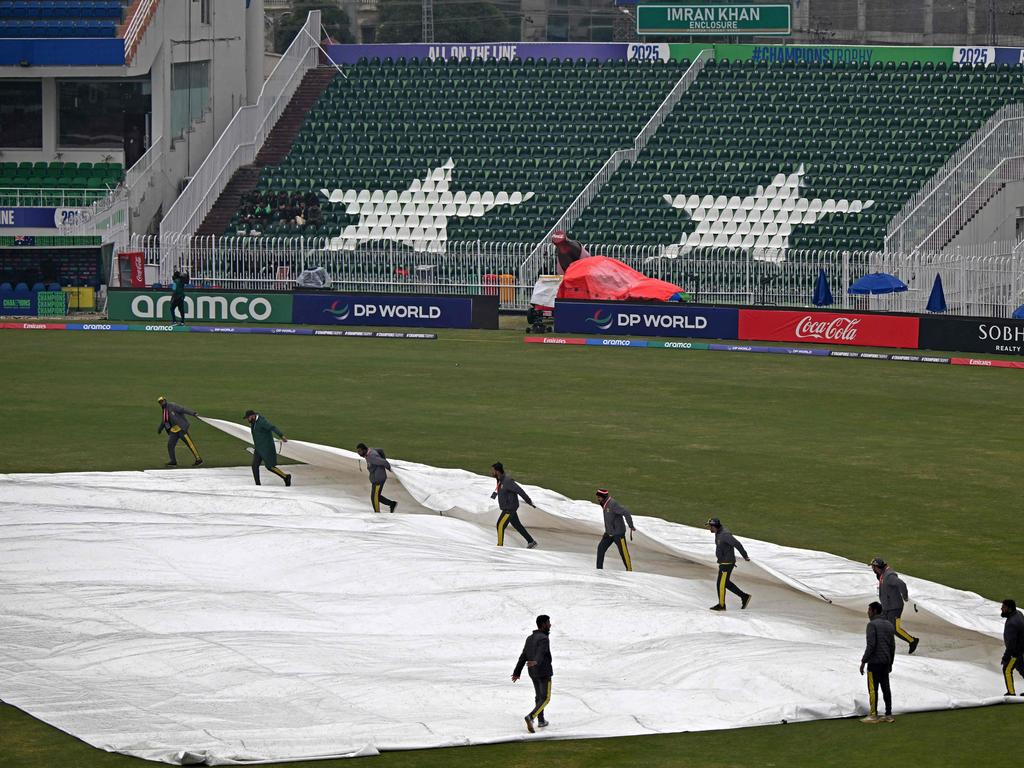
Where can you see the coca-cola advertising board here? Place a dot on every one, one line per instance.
(829, 328)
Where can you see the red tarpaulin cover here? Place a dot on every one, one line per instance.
(599, 277)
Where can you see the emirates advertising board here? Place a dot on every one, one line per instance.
(830, 328)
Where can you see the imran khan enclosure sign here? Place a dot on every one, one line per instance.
(713, 20)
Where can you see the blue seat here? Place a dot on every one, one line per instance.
(6, 287)
(53, 287)
(38, 287)
(157, 286)
(21, 287)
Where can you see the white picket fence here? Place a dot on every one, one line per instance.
(985, 280)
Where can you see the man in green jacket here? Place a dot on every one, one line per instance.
(264, 450)
(178, 296)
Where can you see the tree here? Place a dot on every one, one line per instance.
(455, 21)
(332, 17)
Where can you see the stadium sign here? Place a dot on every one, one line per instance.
(410, 310)
(713, 20)
(202, 306)
(866, 330)
(973, 334)
(39, 218)
(669, 319)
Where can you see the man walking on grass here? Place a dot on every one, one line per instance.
(616, 517)
(377, 465)
(725, 552)
(1013, 638)
(879, 653)
(892, 594)
(536, 657)
(264, 450)
(179, 281)
(508, 492)
(174, 421)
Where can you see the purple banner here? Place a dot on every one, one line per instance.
(37, 218)
(351, 54)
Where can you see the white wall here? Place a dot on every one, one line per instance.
(996, 221)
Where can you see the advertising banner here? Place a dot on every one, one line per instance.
(747, 19)
(972, 334)
(622, 319)
(828, 328)
(34, 303)
(204, 305)
(351, 54)
(38, 218)
(385, 309)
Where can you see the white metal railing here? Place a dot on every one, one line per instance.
(931, 214)
(611, 165)
(140, 175)
(33, 197)
(985, 280)
(137, 26)
(240, 142)
(979, 280)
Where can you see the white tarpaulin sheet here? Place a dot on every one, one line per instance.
(189, 616)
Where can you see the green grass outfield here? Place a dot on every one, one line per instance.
(917, 463)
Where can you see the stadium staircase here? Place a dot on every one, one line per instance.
(523, 137)
(842, 146)
(274, 150)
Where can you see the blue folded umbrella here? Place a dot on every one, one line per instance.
(1018, 313)
(937, 300)
(822, 293)
(876, 283)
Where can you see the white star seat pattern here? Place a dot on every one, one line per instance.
(761, 222)
(418, 216)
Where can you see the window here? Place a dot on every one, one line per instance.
(21, 113)
(190, 93)
(204, 11)
(96, 113)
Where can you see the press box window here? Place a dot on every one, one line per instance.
(21, 113)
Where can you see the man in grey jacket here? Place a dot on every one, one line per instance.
(616, 517)
(892, 594)
(536, 657)
(508, 492)
(377, 466)
(879, 653)
(1013, 638)
(173, 420)
(725, 553)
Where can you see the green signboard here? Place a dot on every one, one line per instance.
(51, 303)
(713, 20)
(809, 54)
(202, 306)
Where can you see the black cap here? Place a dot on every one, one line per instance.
(602, 492)
(498, 466)
(877, 563)
(714, 522)
(249, 413)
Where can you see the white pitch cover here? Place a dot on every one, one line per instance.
(188, 616)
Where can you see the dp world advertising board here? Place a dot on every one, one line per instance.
(396, 310)
(646, 319)
(713, 20)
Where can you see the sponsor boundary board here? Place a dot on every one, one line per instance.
(157, 328)
(686, 345)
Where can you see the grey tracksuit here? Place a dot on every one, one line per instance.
(726, 545)
(879, 653)
(174, 415)
(377, 466)
(880, 647)
(1013, 657)
(507, 492)
(173, 419)
(616, 517)
(893, 594)
(537, 648)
